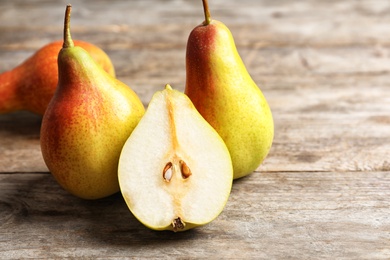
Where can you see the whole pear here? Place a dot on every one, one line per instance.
(224, 93)
(31, 85)
(87, 123)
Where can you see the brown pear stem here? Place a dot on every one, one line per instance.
(68, 42)
(207, 15)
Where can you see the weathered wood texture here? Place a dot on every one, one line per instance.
(306, 215)
(323, 191)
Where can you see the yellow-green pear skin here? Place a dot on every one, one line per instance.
(224, 93)
(86, 124)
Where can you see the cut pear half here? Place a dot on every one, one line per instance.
(175, 171)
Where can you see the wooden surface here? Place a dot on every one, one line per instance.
(322, 193)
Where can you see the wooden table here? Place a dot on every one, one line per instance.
(322, 193)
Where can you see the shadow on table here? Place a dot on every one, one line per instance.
(36, 200)
(21, 123)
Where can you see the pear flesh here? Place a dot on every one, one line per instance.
(175, 171)
(224, 93)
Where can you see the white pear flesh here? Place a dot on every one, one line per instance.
(175, 171)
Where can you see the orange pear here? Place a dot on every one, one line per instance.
(32, 84)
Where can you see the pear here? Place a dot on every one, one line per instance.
(224, 93)
(87, 123)
(175, 171)
(31, 85)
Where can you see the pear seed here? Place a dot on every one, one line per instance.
(185, 170)
(167, 172)
(177, 224)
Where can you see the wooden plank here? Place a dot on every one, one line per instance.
(19, 143)
(304, 23)
(306, 215)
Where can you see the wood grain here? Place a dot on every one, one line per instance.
(322, 193)
(269, 215)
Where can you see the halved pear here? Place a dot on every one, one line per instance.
(175, 171)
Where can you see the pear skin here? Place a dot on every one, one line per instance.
(31, 85)
(87, 123)
(220, 87)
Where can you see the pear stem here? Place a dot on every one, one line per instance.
(207, 15)
(68, 42)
